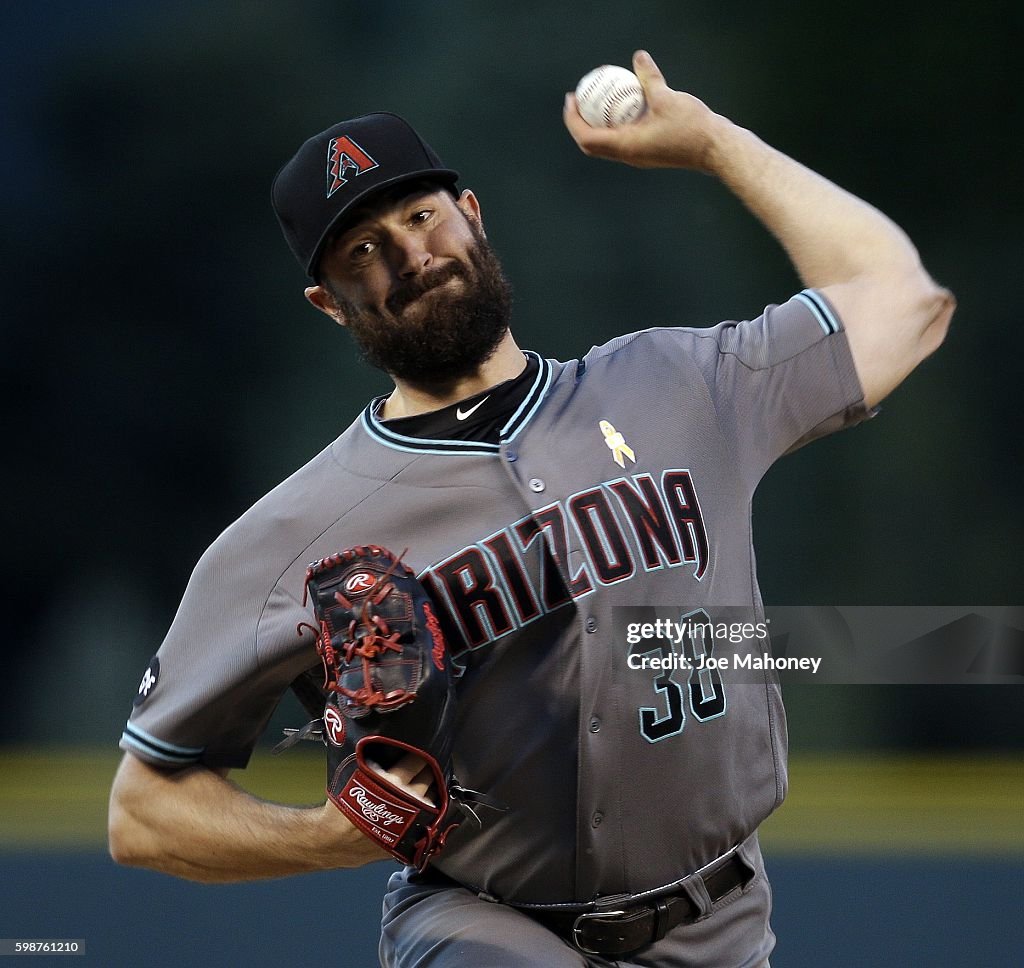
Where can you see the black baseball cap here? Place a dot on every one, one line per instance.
(342, 166)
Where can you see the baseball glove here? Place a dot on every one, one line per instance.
(390, 692)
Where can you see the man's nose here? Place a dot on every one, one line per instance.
(409, 256)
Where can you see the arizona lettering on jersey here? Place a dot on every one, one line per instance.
(623, 525)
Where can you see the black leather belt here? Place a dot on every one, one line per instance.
(618, 929)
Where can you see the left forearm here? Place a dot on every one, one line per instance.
(894, 313)
(829, 235)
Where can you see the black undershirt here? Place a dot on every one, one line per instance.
(483, 424)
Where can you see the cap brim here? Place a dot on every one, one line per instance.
(446, 176)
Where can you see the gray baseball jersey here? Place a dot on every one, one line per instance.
(623, 478)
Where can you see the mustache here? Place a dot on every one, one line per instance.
(410, 291)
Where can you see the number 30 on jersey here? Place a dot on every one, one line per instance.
(703, 687)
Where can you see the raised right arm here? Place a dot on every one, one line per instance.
(893, 312)
(197, 824)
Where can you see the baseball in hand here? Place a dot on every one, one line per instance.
(609, 96)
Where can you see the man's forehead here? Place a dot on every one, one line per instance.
(386, 201)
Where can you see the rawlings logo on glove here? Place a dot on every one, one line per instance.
(373, 809)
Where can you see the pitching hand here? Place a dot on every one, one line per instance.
(676, 131)
(412, 774)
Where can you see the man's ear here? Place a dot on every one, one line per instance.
(470, 206)
(325, 302)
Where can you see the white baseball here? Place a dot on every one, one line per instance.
(609, 96)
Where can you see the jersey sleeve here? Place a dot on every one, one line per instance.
(781, 380)
(205, 697)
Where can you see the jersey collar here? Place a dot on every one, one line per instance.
(423, 445)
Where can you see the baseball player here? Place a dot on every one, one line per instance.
(536, 499)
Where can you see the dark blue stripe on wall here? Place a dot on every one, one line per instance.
(835, 911)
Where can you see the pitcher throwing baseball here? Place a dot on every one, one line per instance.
(534, 497)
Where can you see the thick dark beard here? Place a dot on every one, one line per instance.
(451, 337)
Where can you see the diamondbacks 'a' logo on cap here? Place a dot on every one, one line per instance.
(345, 157)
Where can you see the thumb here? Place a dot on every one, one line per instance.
(648, 72)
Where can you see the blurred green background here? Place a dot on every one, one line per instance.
(161, 370)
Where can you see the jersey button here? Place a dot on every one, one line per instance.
(595, 821)
(511, 457)
(537, 485)
(591, 625)
(595, 725)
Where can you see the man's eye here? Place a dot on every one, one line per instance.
(422, 216)
(362, 250)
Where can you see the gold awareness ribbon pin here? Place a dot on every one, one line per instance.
(616, 443)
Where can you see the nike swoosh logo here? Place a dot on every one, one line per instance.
(463, 414)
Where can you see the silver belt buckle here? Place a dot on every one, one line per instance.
(589, 916)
